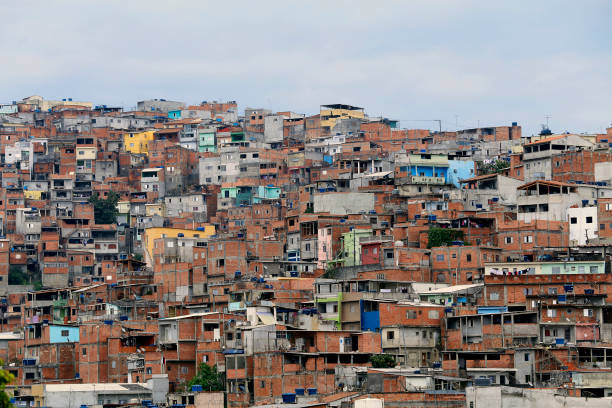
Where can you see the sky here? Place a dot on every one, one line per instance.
(466, 63)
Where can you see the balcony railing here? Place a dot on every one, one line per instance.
(427, 180)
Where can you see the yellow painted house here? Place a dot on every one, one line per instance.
(155, 209)
(32, 194)
(151, 234)
(138, 142)
(330, 114)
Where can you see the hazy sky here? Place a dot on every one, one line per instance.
(464, 62)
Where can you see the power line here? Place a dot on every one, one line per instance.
(425, 120)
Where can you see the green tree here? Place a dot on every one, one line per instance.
(17, 276)
(497, 166)
(5, 378)
(382, 361)
(208, 378)
(442, 236)
(105, 209)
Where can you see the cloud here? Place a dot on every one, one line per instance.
(483, 61)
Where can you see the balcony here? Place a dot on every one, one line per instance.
(135, 363)
(521, 330)
(375, 239)
(427, 180)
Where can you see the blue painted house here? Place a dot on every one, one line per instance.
(425, 168)
(63, 334)
(174, 114)
(460, 170)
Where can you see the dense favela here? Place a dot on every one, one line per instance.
(177, 254)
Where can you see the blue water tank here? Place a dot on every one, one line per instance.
(299, 391)
(196, 388)
(289, 398)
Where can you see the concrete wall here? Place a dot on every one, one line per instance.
(273, 128)
(344, 203)
(55, 280)
(579, 228)
(524, 361)
(209, 172)
(603, 171)
(209, 400)
(509, 397)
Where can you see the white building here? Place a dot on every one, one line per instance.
(583, 226)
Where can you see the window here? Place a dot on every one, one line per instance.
(588, 312)
(65, 333)
(551, 313)
(528, 239)
(552, 291)
(433, 314)
(411, 314)
(526, 356)
(509, 240)
(589, 220)
(454, 255)
(84, 351)
(573, 220)
(593, 269)
(390, 335)
(439, 257)
(494, 296)
(468, 257)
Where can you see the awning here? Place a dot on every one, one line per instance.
(266, 317)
